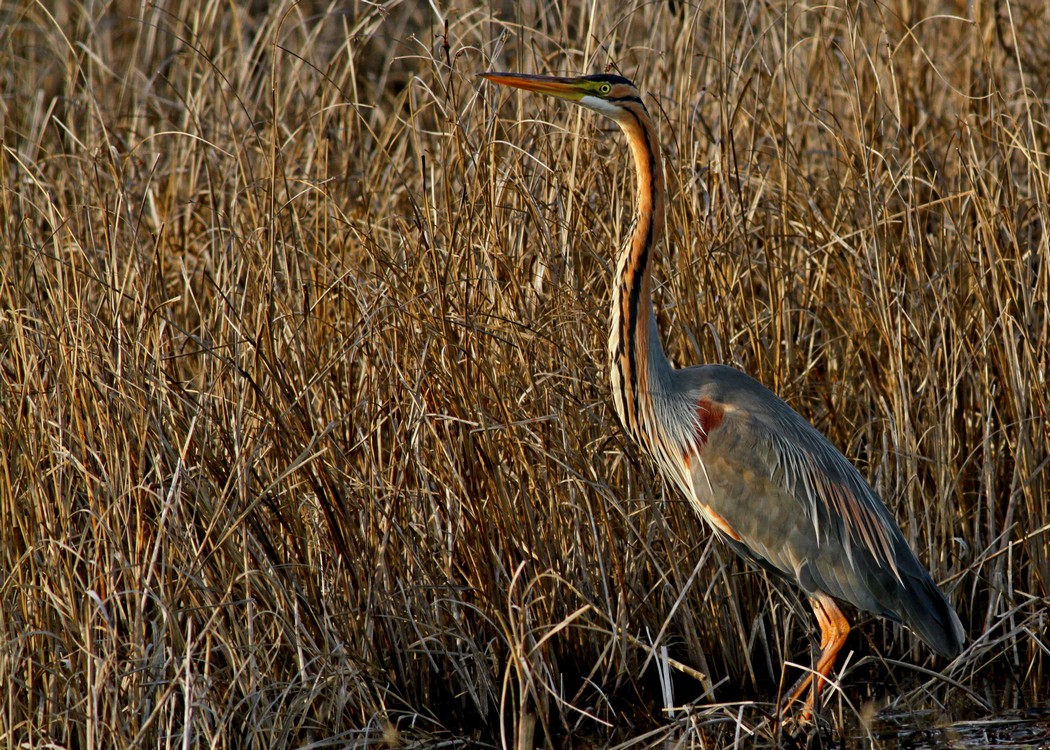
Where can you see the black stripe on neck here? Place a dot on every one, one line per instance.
(636, 270)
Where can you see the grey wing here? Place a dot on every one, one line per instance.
(783, 495)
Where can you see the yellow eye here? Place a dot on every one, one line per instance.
(605, 88)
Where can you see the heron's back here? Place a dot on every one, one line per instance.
(783, 495)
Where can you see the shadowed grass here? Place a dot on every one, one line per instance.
(303, 405)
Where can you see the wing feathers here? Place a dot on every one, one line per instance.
(781, 492)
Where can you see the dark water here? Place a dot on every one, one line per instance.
(990, 715)
(985, 717)
(1014, 728)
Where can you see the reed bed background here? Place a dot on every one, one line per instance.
(305, 427)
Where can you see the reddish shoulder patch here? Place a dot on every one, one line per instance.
(710, 417)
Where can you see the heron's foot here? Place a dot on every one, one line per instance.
(796, 710)
(798, 725)
(794, 729)
(805, 737)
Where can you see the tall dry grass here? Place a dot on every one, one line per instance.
(305, 424)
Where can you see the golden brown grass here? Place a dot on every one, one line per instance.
(303, 410)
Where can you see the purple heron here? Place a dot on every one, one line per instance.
(769, 484)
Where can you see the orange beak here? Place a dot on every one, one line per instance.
(557, 86)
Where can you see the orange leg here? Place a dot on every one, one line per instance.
(833, 631)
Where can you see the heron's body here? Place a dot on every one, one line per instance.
(765, 479)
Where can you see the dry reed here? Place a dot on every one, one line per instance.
(303, 410)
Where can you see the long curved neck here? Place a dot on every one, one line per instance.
(638, 367)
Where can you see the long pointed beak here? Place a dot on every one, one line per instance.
(563, 88)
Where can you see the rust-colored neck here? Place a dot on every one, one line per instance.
(638, 366)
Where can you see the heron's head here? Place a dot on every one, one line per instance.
(609, 95)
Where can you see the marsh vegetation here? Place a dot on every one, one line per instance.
(304, 414)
